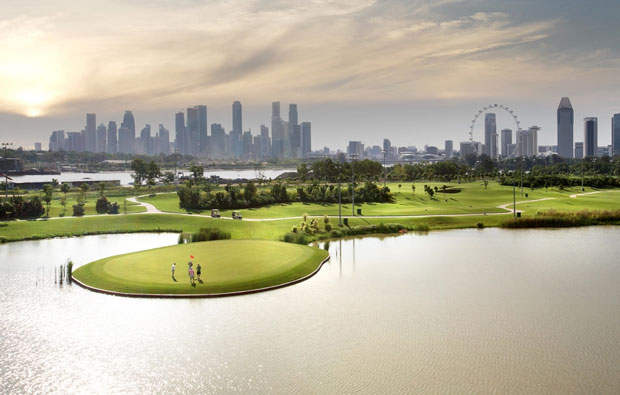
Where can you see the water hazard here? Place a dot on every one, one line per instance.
(463, 311)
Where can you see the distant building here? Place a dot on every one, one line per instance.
(578, 150)
(162, 145)
(37, 147)
(306, 138)
(91, 133)
(467, 148)
(615, 135)
(57, 141)
(74, 142)
(430, 149)
(387, 147)
(490, 135)
(448, 148)
(590, 136)
(237, 118)
(355, 148)
(102, 141)
(506, 142)
(192, 134)
(277, 131)
(130, 123)
(126, 140)
(112, 137)
(203, 137)
(294, 133)
(179, 130)
(565, 128)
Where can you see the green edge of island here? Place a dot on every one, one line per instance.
(228, 267)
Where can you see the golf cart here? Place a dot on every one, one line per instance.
(215, 213)
(236, 215)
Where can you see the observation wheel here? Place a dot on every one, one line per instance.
(503, 108)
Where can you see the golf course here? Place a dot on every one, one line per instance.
(229, 267)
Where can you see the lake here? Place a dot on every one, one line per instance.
(125, 176)
(461, 311)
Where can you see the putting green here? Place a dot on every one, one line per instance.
(228, 266)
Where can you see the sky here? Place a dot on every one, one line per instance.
(415, 72)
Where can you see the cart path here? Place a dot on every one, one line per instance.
(583, 194)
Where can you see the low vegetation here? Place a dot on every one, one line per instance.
(556, 219)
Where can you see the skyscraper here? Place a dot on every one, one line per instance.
(130, 123)
(490, 135)
(202, 129)
(265, 142)
(532, 140)
(237, 118)
(112, 138)
(306, 138)
(579, 150)
(125, 140)
(179, 130)
(163, 141)
(277, 131)
(192, 136)
(506, 142)
(102, 144)
(448, 148)
(565, 128)
(615, 135)
(218, 140)
(91, 133)
(294, 132)
(590, 137)
(146, 140)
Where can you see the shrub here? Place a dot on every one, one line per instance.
(102, 205)
(421, 228)
(3, 239)
(480, 225)
(297, 238)
(78, 210)
(207, 234)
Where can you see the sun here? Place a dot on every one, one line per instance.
(33, 101)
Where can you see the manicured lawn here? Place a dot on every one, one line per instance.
(227, 266)
(473, 198)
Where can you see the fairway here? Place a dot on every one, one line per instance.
(228, 266)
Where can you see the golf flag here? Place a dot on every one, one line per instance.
(191, 256)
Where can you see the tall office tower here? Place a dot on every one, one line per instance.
(294, 133)
(521, 143)
(147, 140)
(130, 123)
(257, 146)
(125, 140)
(102, 144)
(579, 150)
(356, 148)
(448, 148)
(202, 130)
(306, 138)
(615, 135)
(506, 142)
(246, 142)
(590, 137)
(565, 128)
(237, 118)
(192, 136)
(532, 141)
(74, 142)
(286, 142)
(91, 133)
(387, 147)
(277, 131)
(56, 141)
(218, 140)
(161, 144)
(179, 130)
(490, 135)
(37, 147)
(265, 142)
(112, 138)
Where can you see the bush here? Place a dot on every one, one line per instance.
(102, 205)
(3, 239)
(480, 225)
(207, 234)
(296, 238)
(78, 210)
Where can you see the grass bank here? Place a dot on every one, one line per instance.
(556, 219)
(227, 266)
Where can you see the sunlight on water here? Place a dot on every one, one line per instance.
(465, 311)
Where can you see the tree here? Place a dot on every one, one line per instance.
(152, 173)
(168, 177)
(55, 183)
(64, 188)
(84, 188)
(101, 187)
(48, 191)
(197, 174)
(249, 192)
(102, 205)
(302, 171)
(140, 172)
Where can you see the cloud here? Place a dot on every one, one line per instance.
(166, 54)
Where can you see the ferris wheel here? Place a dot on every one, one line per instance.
(507, 110)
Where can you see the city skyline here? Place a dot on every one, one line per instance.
(410, 66)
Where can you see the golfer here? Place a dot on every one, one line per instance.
(191, 275)
(198, 271)
(173, 265)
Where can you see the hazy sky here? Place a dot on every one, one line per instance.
(412, 71)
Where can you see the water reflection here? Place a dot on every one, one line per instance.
(465, 311)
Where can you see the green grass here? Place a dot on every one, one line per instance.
(473, 198)
(56, 208)
(227, 266)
